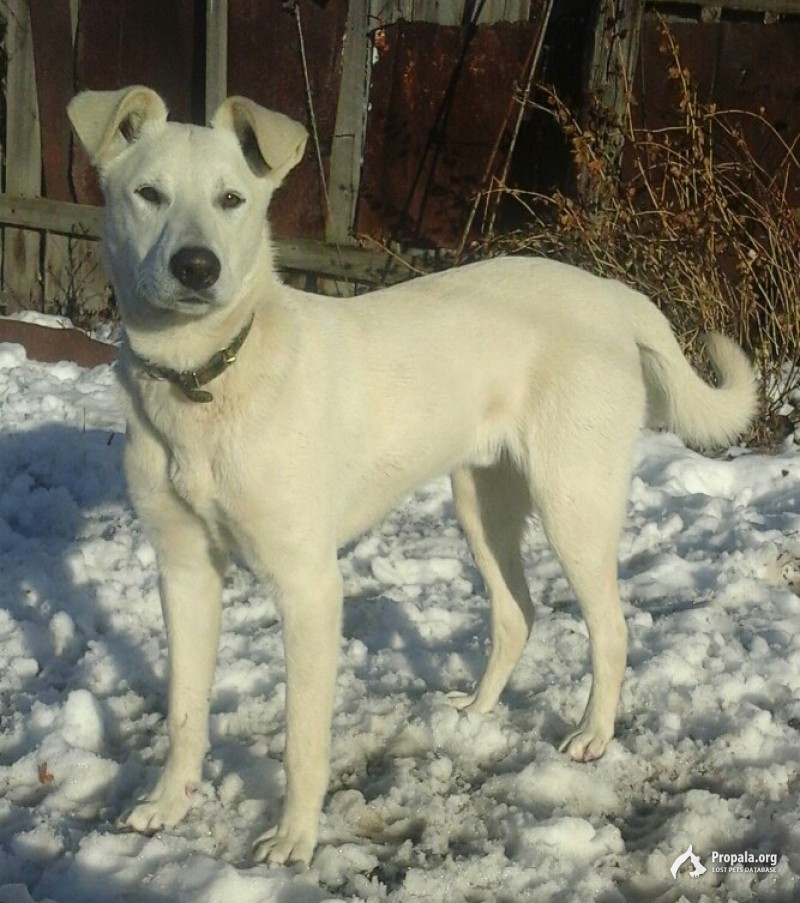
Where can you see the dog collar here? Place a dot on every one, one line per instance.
(191, 381)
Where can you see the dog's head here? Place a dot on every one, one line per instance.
(185, 226)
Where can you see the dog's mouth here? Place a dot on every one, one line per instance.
(169, 296)
(195, 304)
(192, 303)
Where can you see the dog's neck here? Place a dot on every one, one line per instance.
(191, 382)
(181, 342)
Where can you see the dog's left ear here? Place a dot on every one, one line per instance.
(109, 121)
(272, 143)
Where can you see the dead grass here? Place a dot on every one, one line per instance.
(688, 215)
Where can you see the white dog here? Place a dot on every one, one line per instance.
(284, 424)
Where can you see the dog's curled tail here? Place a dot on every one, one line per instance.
(704, 416)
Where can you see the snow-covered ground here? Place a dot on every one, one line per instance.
(425, 803)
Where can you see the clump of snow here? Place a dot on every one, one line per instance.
(426, 803)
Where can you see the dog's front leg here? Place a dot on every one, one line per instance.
(191, 570)
(311, 609)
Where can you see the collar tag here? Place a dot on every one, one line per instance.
(190, 386)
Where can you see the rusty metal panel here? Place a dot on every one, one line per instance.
(265, 64)
(745, 66)
(439, 103)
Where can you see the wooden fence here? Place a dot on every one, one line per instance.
(414, 109)
(50, 255)
(49, 248)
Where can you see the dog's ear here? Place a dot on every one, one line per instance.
(106, 122)
(271, 142)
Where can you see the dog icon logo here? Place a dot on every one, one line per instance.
(698, 868)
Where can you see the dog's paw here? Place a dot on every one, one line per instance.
(469, 702)
(162, 809)
(586, 743)
(284, 844)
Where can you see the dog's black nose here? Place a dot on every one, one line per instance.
(195, 267)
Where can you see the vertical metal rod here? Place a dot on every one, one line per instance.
(216, 55)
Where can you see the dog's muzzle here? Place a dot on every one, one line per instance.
(195, 267)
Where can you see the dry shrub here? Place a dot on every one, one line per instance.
(688, 215)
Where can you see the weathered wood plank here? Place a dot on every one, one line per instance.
(782, 7)
(373, 267)
(42, 214)
(348, 136)
(450, 12)
(52, 44)
(614, 55)
(616, 46)
(21, 266)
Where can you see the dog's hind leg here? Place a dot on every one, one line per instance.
(579, 484)
(492, 504)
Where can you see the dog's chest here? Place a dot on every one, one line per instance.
(209, 483)
(199, 451)
(193, 479)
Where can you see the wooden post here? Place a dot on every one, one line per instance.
(351, 117)
(216, 55)
(613, 61)
(615, 51)
(22, 284)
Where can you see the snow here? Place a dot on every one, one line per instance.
(426, 803)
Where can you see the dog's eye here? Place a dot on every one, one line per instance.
(151, 195)
(230, 200)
